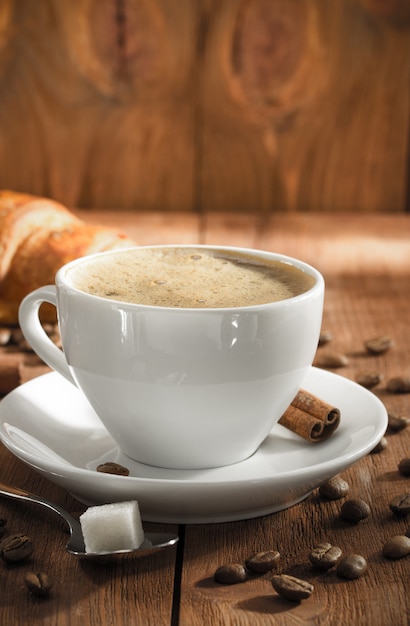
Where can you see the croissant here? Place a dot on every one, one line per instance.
(37, 237)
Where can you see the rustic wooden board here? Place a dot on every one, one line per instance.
(122, 592)
(356, 309)
(245, 105)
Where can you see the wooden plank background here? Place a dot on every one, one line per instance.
(237, 106)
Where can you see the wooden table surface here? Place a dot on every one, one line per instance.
(366, 264)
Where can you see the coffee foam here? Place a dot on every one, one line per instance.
(188, 278)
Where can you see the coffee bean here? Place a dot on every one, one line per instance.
(292, 588)
(3, 523)
(351, 567)
(334, 489)
(331, 360)
(19, 339)
(230, 574)
(324, 556)
(407, 533)
(52, 331)
(262, 562)
(404, 466)
(400, 505)
(17, 336)
(382, 445)
(113, 468)
(38, 583)
(354, 510)
(325, 337)
(16, 548)
(5, 336)
(396, 547)
(378, 345)
(399, 384)
(369, 379)
(397, 422)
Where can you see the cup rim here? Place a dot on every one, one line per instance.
(318, 286)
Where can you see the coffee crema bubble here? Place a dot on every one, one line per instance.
(188, 278)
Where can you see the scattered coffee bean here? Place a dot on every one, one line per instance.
(113, 468)
(354, 510)
(396, 547)
(404, 466)
(324, 556)
(262, 562)
(378, 345)
(18, 338)
(54, 335)
(407, 533)
(334, 489)
(292, 588)
(351, 567)
(399, 384)
(16, 548)
(5, 336)
(331, 360)
(50, 329)
(400, 505)
(38, 583)
(9, 335)
(3, 523)
(230, 574)
(17, 335)
(369, 379)
(382, 445)
(397, 422)
(325, 337)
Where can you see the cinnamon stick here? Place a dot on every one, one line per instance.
(310, 417)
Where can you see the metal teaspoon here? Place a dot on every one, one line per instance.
(152, 541)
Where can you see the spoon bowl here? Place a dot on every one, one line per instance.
(152, 541)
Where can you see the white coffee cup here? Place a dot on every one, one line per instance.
(183, 388)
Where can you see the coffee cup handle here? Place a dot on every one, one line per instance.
(35, 334)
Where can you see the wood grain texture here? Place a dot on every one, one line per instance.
(255, 106)
(356, 309)
(126, 592)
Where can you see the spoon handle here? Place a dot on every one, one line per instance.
(17, 493)
(153, 541)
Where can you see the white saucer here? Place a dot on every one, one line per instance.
(50, 426)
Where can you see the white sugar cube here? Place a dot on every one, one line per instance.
(111, 527)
